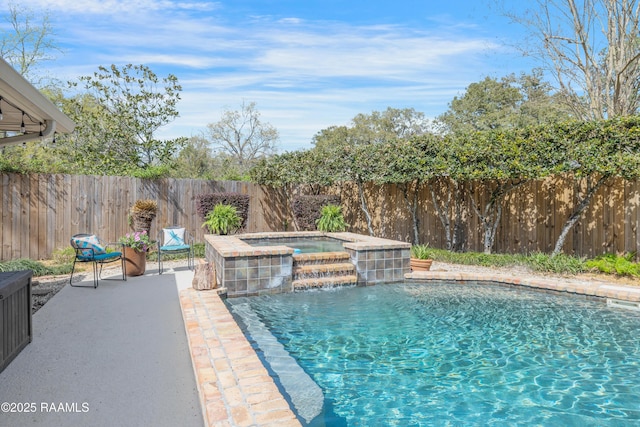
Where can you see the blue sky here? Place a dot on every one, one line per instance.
(307, 64)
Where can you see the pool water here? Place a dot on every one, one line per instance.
(304, 245)
(434, 354)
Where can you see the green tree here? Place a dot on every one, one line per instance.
(194, 160)
(594, 153)
(353, 153)
(117, 117)
(311, 168)
(506, 103)
(392, 123)
(346, 154)
(242, 136)
(428, 160)
(498, 162)
(407, 164)
(32, 157)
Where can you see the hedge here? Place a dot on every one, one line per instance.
(307, 209)
(206, 202)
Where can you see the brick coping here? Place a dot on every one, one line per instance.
(235, 388)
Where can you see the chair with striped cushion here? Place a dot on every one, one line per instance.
(89, 248)
(175, 240)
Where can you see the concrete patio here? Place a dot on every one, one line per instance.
(112, 356)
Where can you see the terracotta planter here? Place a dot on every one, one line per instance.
(135, 261)
(420, 264)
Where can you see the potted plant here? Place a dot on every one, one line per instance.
(420, 258)
(331, 219)
(136, 245)
(223, 219)
(142, 214)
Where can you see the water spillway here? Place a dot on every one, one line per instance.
(323, 270)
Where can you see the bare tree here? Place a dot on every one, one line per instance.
(27, 43)
(242, 135)
(592, 49)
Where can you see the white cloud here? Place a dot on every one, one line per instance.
(303, 75)
(113, 7)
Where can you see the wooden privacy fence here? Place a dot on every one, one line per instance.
(41, 212)
(532, 218)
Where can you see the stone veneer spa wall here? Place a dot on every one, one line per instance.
(247, 270)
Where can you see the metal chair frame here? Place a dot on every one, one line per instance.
(188, 239)
(96, 259)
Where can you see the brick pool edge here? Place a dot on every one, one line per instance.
(587, 288)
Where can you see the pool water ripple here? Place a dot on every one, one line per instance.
(461, 354)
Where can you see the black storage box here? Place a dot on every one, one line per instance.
(15, 314)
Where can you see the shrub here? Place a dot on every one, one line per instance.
(38, 268)
(564, 264)
(307, 209)
(561, 264)
(63, 255)
(614, 264)
(223, 219)
(205, 203)
(331, 219)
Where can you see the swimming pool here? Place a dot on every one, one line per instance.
(434, 354)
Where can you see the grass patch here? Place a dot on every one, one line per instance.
(62, 262)
(38, 268)
(560, 264)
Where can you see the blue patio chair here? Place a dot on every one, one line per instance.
(175, 240)
(89, 248)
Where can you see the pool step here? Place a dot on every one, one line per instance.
(320, 258)
(326, 269)
(299, 271)
(324, 282)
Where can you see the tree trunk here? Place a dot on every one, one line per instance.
(577, 213)
(413, 208)
(490, 217)
(443, 214)
(364, 207)
(459, 234)
(454, 191)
